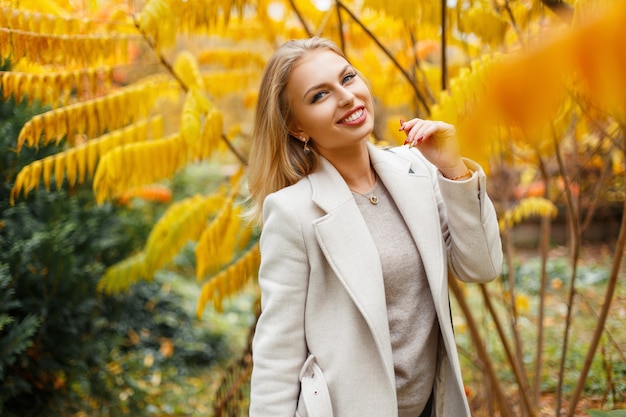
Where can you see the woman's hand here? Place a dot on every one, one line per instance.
(438, 143)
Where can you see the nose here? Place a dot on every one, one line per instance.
(346, 97)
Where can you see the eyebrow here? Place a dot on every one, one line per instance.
(315, 87)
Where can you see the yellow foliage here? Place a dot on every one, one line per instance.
(482, 20)
(136, 164)
(527, 207)
(186, 68)
(522, 303)
(529, 89)
(232, 59)
(163, 20)
(42, 6)
(79, 163)
(408, 10)
(181, 223)
(50, 23)
(211, 137)
(95, 116)
(230, 281)
(184, 221)
(191, 122)
(67, 50)
(218, 84)
(201, 126)
(218, 242)
(461, 105)
(122, 275)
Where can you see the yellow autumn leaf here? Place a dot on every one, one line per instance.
(48, 166)
(59, 170)
(229, 281)
(187, 69)
(527, 207)
(522, 303)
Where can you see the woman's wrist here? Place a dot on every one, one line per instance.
(458, 172)
(466, 175)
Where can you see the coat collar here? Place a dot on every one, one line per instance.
(349, 248)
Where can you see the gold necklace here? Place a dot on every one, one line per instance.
(372, 198)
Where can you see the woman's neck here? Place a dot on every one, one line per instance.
(355, 168)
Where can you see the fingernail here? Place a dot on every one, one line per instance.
(401, 125)
(420, 139)
(407, 141)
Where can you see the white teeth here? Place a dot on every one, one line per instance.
(353, 116)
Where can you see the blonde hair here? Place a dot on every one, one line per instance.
(277, 158)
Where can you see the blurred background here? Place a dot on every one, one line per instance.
(127, 271)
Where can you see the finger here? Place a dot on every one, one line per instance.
(406, 126)
(419, 132)
(412, 126)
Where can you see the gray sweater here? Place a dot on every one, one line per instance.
(410, 310)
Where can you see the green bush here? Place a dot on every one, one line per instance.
(65, 347)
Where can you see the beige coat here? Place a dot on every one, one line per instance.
(322, 346)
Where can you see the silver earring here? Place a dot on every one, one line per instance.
(306, 149)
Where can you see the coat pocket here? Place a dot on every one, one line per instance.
(314, 391)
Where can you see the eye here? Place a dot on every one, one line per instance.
(318, 96)
(348, 77)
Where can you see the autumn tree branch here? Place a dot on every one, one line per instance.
(168, 66)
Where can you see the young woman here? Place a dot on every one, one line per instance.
(356, 247)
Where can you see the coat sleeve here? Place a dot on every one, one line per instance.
(470, 227)
(279, 346)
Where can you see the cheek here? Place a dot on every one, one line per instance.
(319, 115)
(365, 93)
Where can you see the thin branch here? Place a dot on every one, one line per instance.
(300, 18)
(342, 38)
(575, 236)
(544, 245)
(182, 84)
(234, 150)
(406, 75)
(159, 55)
(444, 56)
(595, 198)
(418, 66)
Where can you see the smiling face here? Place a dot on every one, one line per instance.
(331, 104)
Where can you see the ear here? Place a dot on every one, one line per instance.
(299, 134)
